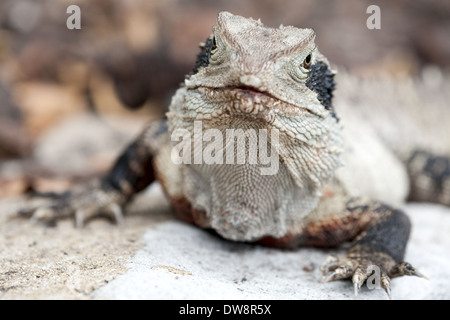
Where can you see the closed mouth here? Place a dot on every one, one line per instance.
(249, 100)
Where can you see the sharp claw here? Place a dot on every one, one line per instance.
(405, 268)
(388, 292)
(330, 277)
(386, 284)
(358, 279)
(116, 212)
(421, 275)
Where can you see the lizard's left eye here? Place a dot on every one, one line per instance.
(307, 62)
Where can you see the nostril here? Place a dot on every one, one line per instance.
(251, 81)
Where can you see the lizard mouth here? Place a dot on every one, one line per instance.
(249, 101)
(249, 90)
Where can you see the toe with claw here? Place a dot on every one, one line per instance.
(361, 269)
(82, 204)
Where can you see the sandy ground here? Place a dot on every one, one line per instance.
(63, 262)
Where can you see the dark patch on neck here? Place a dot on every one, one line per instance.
(204, 55)
(321, 81)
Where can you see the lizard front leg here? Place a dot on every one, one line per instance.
(132, 172)
(378, 235)
(381, 244)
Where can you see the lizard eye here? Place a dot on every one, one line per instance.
(307, 62)
(214, 44)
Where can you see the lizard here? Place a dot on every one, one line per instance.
(339, 178)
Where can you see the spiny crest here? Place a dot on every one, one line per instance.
(251, 36)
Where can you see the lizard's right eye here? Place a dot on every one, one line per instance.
(214, 44)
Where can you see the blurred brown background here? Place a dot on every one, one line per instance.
(136, 52)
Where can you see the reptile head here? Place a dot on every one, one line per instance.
(282, 62)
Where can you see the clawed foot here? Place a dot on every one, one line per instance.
(81, 203)
(377, 269)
